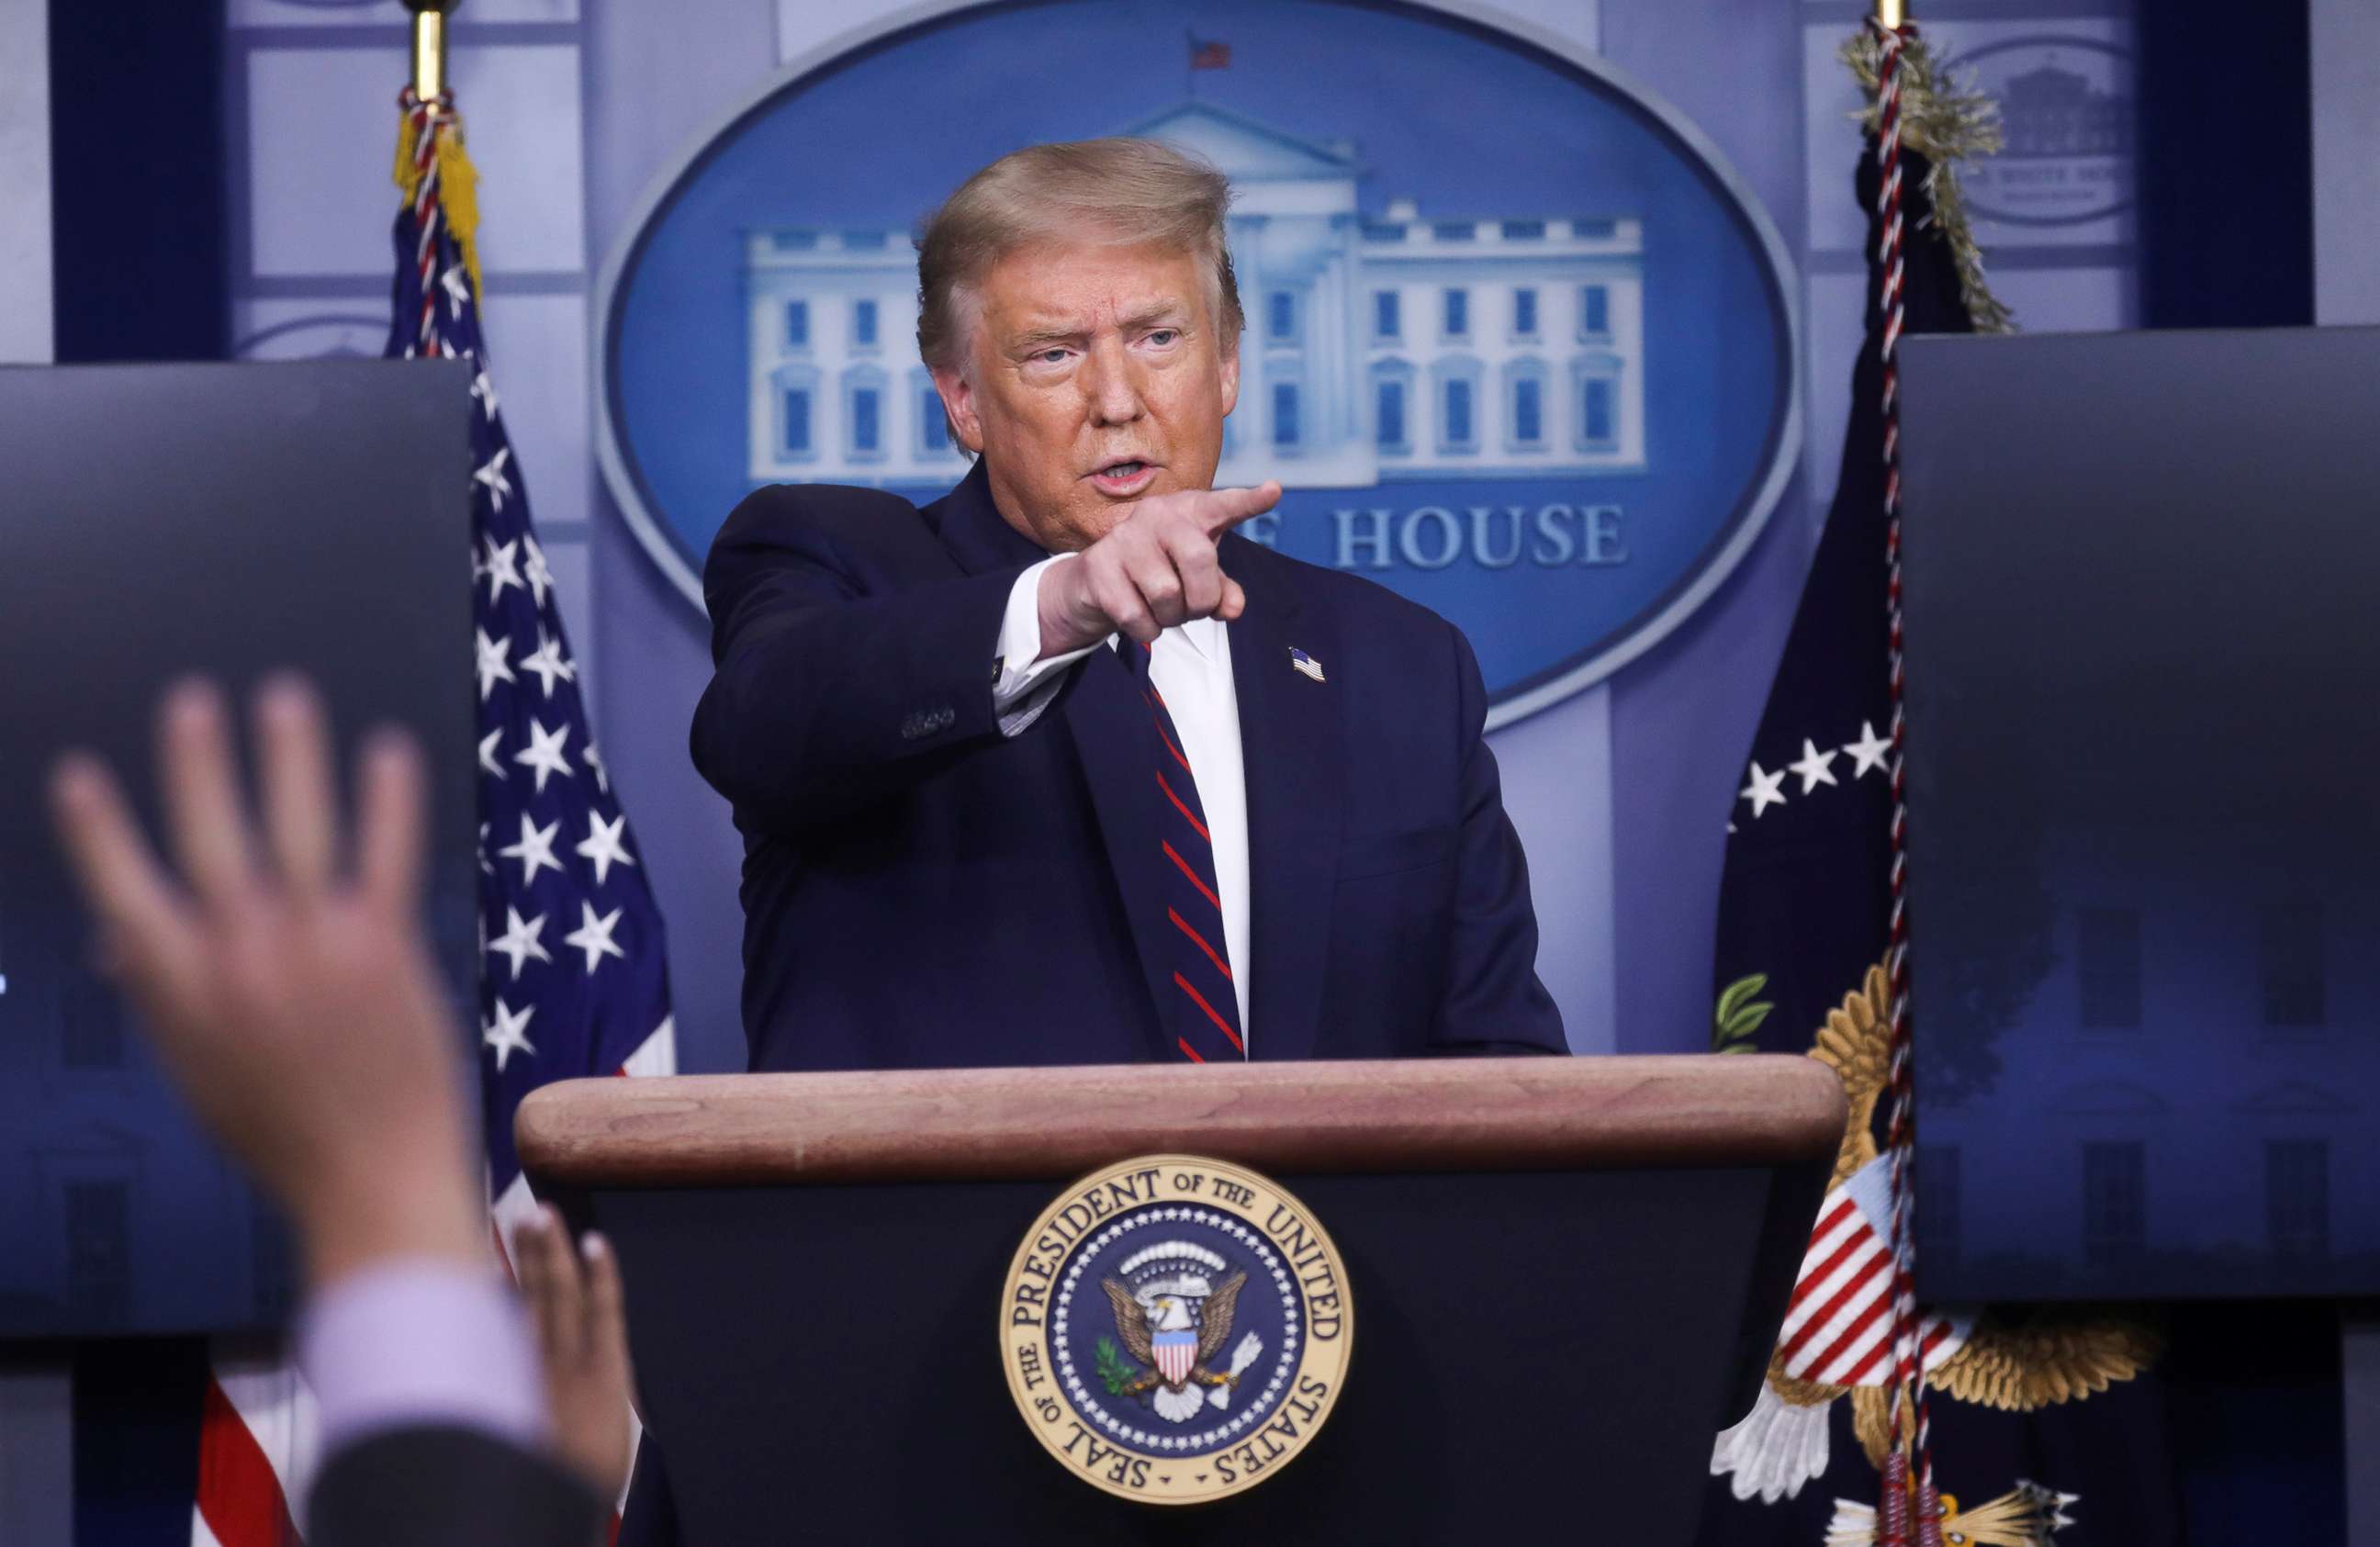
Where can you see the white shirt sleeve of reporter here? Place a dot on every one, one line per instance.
(1025, 686)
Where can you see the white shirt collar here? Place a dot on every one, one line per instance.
(1205, 635)
(1202, 634)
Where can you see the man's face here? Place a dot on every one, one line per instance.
(1085, 362)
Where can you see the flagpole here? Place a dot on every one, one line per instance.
(429, 46)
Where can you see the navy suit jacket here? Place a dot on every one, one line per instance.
(921, 891)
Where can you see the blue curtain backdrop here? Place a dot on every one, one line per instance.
(2226, 174)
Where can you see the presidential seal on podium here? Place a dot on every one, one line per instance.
(1175, 1329)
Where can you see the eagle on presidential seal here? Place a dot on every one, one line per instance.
(1174, 1317)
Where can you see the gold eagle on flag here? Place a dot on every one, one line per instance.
(1783, 1443)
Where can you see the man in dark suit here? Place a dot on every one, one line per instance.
(1060, 769)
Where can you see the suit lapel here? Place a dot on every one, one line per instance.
(970, 526)
(1103, 717)
(1293, 752)
(1104, 712)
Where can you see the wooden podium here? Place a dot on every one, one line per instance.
(1567, 1276)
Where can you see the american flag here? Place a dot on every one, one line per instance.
(1839, 1328)
(572, 980)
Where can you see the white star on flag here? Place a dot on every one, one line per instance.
(505, 1034)
(594, 936)
(493, 475)
(547, 661)
(534, 570)
(457, 286)
(602, 846)
(544, 752)
(594, 760)
(1812, 765)
(485, 390)
(519, 940)
(1868, 751)
(493, 668)
(534, 849)
(488, 763)
(502, 568)
(1765, 791)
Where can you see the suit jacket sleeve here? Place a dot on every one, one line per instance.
(852, 656)
(1493, 1003)
(450, 1487)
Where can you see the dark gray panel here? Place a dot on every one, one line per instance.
(158, 520)
(2144, 838)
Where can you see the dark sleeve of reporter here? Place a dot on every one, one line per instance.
(852, 654)
(450, 1487)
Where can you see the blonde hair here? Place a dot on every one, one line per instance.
(1119, 191)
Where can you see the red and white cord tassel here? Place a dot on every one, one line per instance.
(428, 119)
(1905, 1520)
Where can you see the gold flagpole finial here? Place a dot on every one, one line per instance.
(1892, 15)
(429, 46)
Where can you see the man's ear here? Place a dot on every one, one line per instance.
(1229, 370)
(958, 400)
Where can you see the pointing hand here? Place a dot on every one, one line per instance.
(1156, 569)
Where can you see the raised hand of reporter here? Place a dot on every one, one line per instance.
(582, 1337)
(282, 972)
(1155, 569)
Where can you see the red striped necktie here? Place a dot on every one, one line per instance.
(1203, 1011)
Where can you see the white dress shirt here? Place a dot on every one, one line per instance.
(1192, 667)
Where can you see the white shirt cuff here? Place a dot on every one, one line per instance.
(1027, 682)
(422, 1341)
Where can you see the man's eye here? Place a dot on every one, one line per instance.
(1051, 357)
(1164, 335)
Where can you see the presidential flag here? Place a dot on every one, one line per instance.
(1811, 959)
(572, 977)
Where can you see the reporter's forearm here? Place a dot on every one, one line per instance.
(414, 1208)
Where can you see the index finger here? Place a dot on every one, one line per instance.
(204, 819)
(1226, 508)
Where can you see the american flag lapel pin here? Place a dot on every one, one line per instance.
(1306, 665)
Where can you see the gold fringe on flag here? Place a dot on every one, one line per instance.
(458, 182)
(1945, 125)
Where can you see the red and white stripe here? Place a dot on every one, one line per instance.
(259, 1434)
(1839, 1328)
(257, 1441)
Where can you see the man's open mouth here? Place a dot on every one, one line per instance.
(1124, 477)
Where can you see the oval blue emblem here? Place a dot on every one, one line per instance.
(1519, 344)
